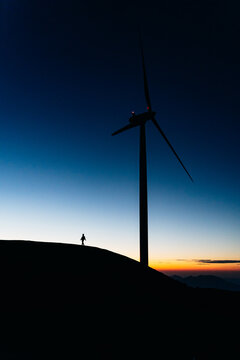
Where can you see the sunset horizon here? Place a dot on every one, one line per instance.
(226, 268)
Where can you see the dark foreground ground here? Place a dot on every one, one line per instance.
(62, 301)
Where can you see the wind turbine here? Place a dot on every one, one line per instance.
(140, 120)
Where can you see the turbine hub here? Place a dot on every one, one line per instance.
(141, 119)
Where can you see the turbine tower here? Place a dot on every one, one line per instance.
(140, 120)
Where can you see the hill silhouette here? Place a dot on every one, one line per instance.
(69, 301)
(208, 282)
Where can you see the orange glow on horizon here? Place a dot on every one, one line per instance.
(188, 266)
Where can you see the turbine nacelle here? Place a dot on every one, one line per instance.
(141, 119)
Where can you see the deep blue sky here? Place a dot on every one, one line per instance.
(70, 76)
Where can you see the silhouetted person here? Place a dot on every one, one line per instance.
(83, 239)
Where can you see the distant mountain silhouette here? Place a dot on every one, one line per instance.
(208, 282)
(62, 301)
(234, 280)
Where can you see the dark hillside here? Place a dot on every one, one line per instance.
(63, 301)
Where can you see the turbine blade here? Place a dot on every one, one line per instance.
(171, 147)
(146, 90)
(127, 127)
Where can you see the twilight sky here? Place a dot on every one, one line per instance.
(70, 75)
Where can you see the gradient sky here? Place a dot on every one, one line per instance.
(70, 74)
